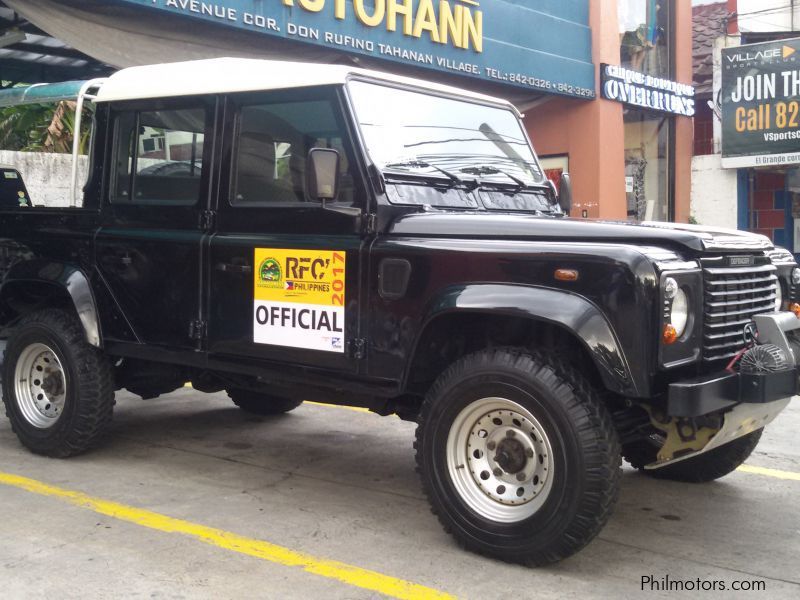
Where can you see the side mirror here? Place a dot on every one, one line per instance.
(565, 197)
(322, 174)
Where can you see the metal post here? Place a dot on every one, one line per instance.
(83, 94)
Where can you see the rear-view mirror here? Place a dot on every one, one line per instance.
(322, 174)
(565, 193)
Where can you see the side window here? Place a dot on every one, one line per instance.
(272, 144)
(159, 157)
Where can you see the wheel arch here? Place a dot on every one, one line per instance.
(34, 285)
(526, 311)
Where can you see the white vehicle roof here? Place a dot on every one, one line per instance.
(228, 75)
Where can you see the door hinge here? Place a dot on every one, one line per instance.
(198, 330)
(207, 219)
(358, 348)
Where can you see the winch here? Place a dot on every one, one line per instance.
(764, 358)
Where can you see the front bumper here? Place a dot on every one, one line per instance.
(724, 390)
(740, 402)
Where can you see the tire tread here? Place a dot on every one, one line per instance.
(95, 386)
(261, 404)
(602, 457)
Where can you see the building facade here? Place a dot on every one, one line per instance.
(626, 161)
(605, 85)
(747, 139)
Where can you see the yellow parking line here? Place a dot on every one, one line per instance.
(789, 475)
(349, 574)
(355, 408)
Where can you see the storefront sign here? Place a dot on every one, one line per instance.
(761, 104)
(646, 91)
(502, 41)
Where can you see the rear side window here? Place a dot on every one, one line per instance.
(159, 157)
(272, 144)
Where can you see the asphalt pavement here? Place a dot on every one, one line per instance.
(192, 498)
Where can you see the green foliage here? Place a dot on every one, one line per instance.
(21, 127)
(42, 128)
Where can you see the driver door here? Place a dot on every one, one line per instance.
(285, 273)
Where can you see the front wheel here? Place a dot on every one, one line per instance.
(58, 390)
(518, 457)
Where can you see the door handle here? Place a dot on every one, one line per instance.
(234, 268)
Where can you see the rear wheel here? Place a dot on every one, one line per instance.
(518, 457)
(706, 467)
(58, 390)
(262, 404)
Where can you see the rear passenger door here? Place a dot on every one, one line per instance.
(285, 272)
(149, 245)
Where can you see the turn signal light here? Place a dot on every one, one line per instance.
(670, 334)
(566, 275)
(795, 308)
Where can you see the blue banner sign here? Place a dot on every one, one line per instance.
(539, 45)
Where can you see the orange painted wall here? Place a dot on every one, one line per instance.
(684, 138)
(592, 132)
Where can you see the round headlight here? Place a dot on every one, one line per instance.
(679, 314)
(779, 297)
(796, 276)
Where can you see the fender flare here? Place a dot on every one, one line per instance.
(70, 279)
(572, 312)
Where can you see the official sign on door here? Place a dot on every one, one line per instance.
(299, 298)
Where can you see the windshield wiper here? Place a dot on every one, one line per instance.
(521, 185)
(486, 170)
(421, 164)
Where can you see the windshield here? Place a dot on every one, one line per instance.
(443, 137)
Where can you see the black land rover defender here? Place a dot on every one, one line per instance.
(286, 232)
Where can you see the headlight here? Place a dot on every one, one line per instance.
(679, 314)
(779, 297)
(680, 304)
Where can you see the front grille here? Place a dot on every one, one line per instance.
(733, 296)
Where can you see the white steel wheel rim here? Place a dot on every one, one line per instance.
(40, 385)
(499, 459)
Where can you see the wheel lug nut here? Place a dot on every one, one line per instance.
(497, 472)
(491, 445)
(529, 453)
(520, 476)
(510, 433)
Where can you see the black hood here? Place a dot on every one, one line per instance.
(487, 225)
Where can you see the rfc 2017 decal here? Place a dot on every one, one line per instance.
(299, 298)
